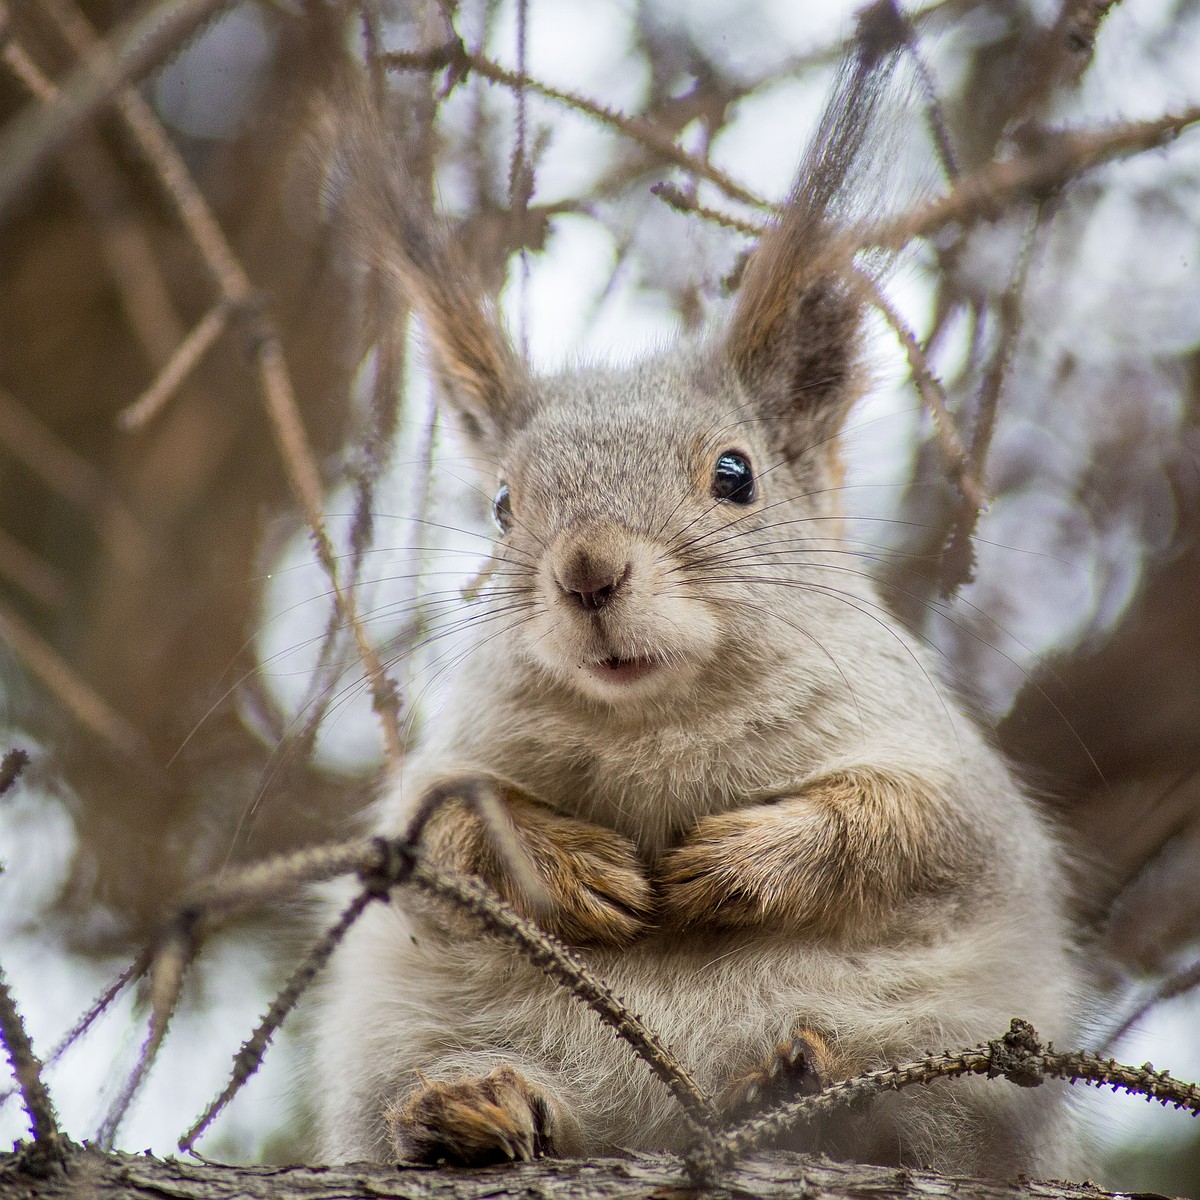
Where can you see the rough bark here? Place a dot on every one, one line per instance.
(91, 1173)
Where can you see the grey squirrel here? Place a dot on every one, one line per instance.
(745, 797)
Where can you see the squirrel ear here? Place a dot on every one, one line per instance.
(794, 337)
(481, 379)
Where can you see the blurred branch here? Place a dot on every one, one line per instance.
(932, 393)
(460, 61)
(88, 707)
(266, 348)
(134, 48)
(71, 476)
(1050, 159)
(958, 555)
(33, 575)
(145, 296)
(1178, 984)
(187, 357)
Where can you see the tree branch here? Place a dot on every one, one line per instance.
(644, 1177)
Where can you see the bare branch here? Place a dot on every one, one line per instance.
(85, 705)
(645, 132)
(187, 357)
(133, 49)
(48, 1147)
(266, 344)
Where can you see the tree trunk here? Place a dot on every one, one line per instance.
(101, 1176)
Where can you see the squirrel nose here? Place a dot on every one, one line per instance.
(593, 583)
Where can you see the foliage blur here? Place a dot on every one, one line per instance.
(148, 629)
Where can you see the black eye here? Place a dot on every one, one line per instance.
(733, 478)
(502, 509)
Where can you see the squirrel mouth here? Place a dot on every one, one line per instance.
(623, 670)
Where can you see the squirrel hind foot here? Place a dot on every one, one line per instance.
(800, 1066)
(473, 1122)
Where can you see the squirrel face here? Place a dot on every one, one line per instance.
(638, 514)
(650, 517)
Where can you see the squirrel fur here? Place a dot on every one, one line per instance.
(752, 806)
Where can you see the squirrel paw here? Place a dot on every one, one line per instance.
(728, 874)
(472, 1122)
(589, 886)
(800, 1066)
(596, 888)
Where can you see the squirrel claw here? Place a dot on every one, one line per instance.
(495, 1118)
(800, 1066)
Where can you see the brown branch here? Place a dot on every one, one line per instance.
(85, 705)
(134, 971)
(167, 973)
(48, 1146)
(249, 1058)
(144, 295)
(44, 583)
(383, 864)
(266, 348)
(133, 49)
(1018, 1056)
(187, 357)
(958, 558)
(71, 476)
(682, 202)
(1057, 158)
(642, 130)
(932, 393)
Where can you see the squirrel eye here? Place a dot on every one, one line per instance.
(733, 478)
(502, 509)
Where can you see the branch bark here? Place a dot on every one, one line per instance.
(644, 1177)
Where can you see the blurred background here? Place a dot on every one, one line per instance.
(170, 653)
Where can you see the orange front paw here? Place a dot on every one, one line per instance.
(736, 870)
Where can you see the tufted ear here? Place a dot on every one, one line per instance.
(794, 337)
(482, 380)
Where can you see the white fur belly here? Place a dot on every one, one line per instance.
(407, 1000)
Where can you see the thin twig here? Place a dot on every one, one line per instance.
(682, 202)
(989, 191)
(1175, 985)
(133, 49)
(249, 1058)
(85, 705)
(187, 357)
(958, 558)
(642, 130)
(47, 1141)
(1018, 1056)
(266, 348)
(931, 391)
(167, 972)
(234, 891)
(554, 960)
(135, 970)
(144, 295)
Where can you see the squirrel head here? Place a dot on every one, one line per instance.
(646, 517)
(650, 518)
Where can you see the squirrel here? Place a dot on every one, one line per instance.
(747, 801)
